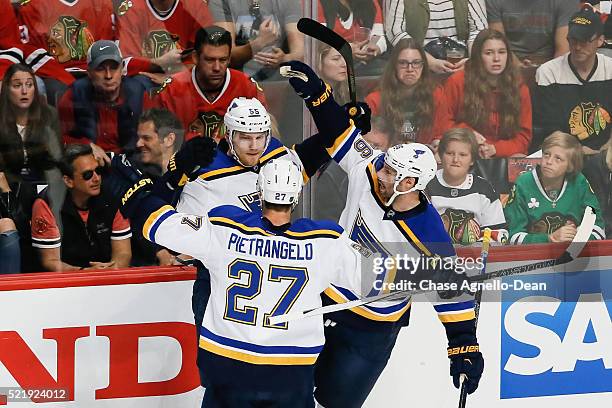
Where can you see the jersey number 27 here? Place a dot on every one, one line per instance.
(298, 277)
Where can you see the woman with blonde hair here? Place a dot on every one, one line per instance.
(408, 99)
(490, 98)
(331, 67)
(547, 203)
(467, 203)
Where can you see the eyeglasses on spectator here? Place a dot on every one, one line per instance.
(416, 64)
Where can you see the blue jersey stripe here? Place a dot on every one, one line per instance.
(450, 307)
(157, 223)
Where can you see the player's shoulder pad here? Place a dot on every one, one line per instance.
(305, 228)
(222, 165)
(274, 150)
(230, 211)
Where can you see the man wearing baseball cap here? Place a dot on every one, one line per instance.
(102, 109)
(575, 90)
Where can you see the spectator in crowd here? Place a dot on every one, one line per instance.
(360, 22)
(10, 250)
(490, 98)
(598, 171)
(160, 135)
(264, 33)
(427, 21)
(29, 148)
(536, 30)
(331, 68)
(102, 109)
(467, 203)
(201, 96)
(161, 30)
(408, 98)
(29, 128)
(547, 203)
(575, 90)
(97, 233)
(66, 29)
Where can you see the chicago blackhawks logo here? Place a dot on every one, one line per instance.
(549, 223)
(207, 124)
(588, 119)
(159, 42)
(461, 226)
(69, 39)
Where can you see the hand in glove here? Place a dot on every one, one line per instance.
(305, 81)
(194, 155)
(127, 182)
(466, 360)
(361, 115)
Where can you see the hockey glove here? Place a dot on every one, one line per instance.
(459, 283)
(466, 360)
(126, 181)
(361, 115)
(305, 82)
(194, 155)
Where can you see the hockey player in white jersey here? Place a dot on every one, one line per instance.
(260, 266)
(385, 204)
(230, 179)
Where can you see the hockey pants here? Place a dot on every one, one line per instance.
(350, 364)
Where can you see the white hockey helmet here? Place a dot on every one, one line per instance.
(280, 182)
(248, 116)
(411, 160)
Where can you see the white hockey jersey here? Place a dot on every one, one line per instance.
(225, 182)
(366, 220)
(258, 271)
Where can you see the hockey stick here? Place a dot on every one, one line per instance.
(571, 253)
(484, 255)
(326, 35)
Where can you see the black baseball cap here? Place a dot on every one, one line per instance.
(585, 24)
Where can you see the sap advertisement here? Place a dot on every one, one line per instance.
(548, 347)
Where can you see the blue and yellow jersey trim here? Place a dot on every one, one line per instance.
(225, 166)
(255, 353)
(343, 143)
(390, 313)
(456, 312)
(245, 229)
(155, 220)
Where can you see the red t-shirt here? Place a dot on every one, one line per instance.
(183, 97)
(66, 29)
(144, 32)
(46, 234)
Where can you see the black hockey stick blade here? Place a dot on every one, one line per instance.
(326, 35)
(573, 250)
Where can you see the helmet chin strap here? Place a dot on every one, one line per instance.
(397, 193)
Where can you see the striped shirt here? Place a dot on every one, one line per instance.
(441, 23)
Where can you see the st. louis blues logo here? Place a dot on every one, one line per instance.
(418, 152)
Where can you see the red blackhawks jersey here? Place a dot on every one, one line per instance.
(66, 27)
(143, 31)
(36, 58)
(182, 95)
